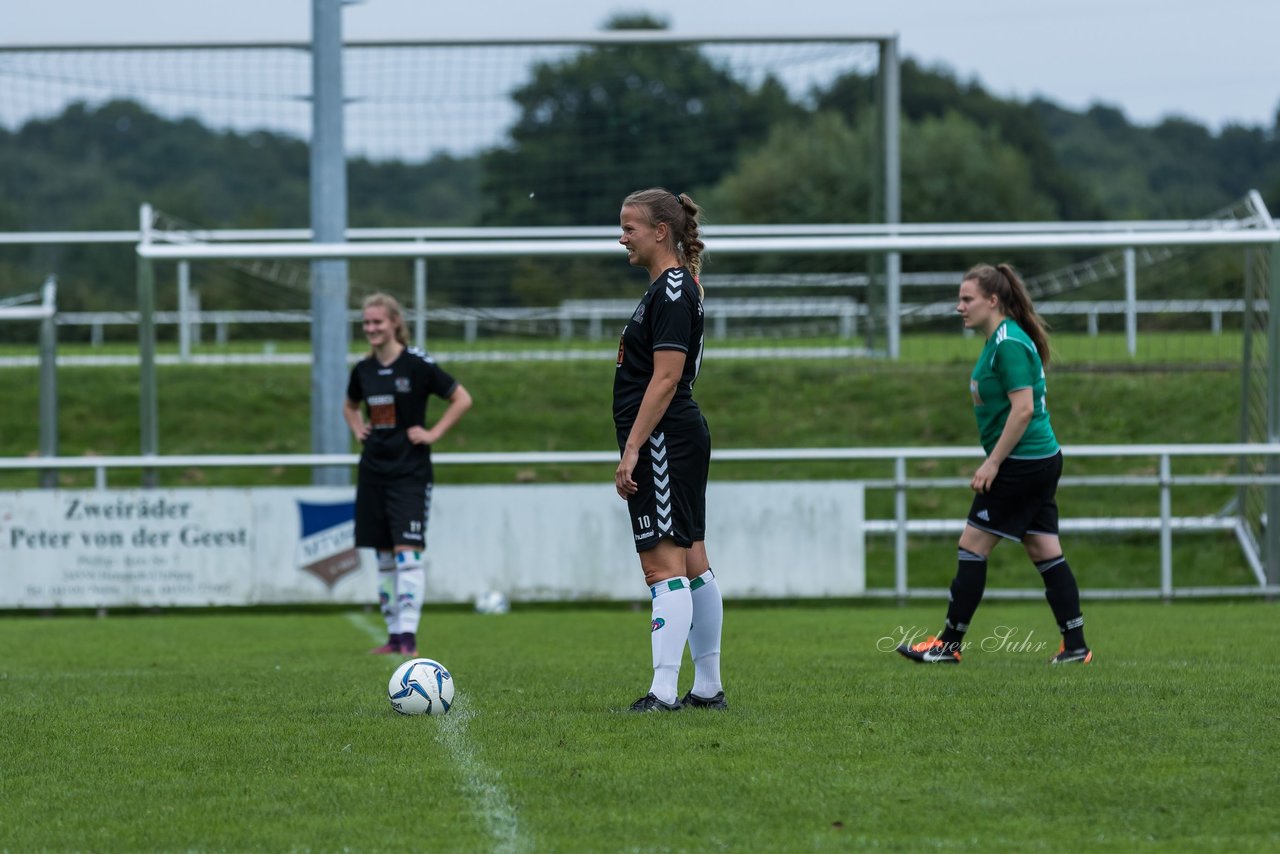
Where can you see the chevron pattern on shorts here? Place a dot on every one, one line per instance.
(661, 481)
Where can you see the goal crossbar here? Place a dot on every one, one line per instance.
(854, 244)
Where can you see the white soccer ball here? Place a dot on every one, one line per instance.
(492, 602)
(421, 686)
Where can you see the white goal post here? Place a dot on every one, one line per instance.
(1259, 235)
(42, 305)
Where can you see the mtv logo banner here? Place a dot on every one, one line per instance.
(533, 542)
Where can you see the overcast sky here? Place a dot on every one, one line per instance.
(1214, 61)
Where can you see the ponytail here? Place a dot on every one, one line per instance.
(690, 244)
(1002, 281)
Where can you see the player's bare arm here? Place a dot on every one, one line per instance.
(355, 419)
(668, 365)
(459, 403)
(1021, 407)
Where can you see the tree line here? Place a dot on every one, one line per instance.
(594, 126)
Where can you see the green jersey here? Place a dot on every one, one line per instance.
(1009, 362)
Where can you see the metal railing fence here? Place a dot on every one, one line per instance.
(1265, 568)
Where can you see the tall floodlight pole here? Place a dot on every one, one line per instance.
(890, 98)
(330, 334)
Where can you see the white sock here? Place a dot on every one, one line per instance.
(410, 581)
(672, 613)
(387, 591)
(704, 636)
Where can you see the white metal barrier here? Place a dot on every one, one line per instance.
(846, 311)
(1265, 568)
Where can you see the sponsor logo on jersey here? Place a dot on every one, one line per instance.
(639, 315)
(973, 392)
(382, 411)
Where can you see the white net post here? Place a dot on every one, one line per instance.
(1271, 535)
(49, 380)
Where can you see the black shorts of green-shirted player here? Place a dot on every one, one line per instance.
(664, 448)
(1015, 487)
(393, 490)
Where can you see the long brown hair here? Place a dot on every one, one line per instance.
(1002, 282)
(679, 212)
(394, 313)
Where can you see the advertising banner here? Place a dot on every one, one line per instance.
(532, 542)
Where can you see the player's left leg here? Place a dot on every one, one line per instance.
(409, 510)
(704, 590)
(704, 633)
(1043, 547)
(1063, 594)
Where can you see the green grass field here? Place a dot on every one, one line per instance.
(272, 732)
(918, 345)
(263, 731)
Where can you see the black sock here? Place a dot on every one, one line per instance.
(408, 640)
(1063, 593)
(966, 592)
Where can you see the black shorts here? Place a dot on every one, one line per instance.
(392, 513)
(671, 476)
(1021, 499)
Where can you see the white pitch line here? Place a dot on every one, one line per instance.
(360, 623)
(482, 784)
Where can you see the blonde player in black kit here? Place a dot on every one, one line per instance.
(393, 492)
(665, 447)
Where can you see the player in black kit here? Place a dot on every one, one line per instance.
(393, 492)
(666, 447)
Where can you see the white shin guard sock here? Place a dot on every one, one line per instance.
(387, 591)
(411, 579)
(672, 613)
(704, 635)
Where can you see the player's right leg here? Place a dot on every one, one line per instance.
(387, 602)
(372, 532)
(672, 613)
(660, 529)
(967, 587)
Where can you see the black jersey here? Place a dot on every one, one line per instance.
(395, 399)
(669, 317)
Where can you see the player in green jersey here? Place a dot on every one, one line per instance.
(1015, 487)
